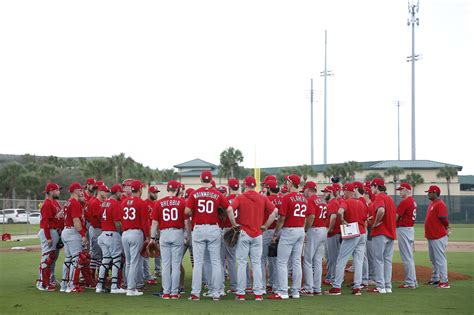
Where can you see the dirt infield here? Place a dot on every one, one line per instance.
(422, 246)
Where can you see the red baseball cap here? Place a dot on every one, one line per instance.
(348, 187)
(336, 187)
(367, 184)
(222, 189)
(377, 182)
(116, 188)
(99, 183)
(103, 188)
(404, 185)
(269, 177)
(294, 179)
(127, 182)
(189, 191)
(284, 189)
(75, 186)
(233, 183)
(368, 191)
(50, 187)
(272, 184)
(153, 189)
(90, 181)
(213, 183)
(172, 184)
(206, 175)
(358, 185)
(250, 181)
(310, 185)
(136, 185)
(328, 189)
(434, 189)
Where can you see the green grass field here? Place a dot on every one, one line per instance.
(18, 295)
(459, 232)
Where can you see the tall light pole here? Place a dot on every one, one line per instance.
(413, 10)
(325, 74)
(312, 140)
(398, 127)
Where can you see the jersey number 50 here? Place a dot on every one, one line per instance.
(300, 210)
(205, 206)
(129, 213)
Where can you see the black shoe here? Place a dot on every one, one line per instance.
(431, 282)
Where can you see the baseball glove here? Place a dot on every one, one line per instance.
(231, 237)
(143, 251)
(60, 244)
(153, 249)
(273, 249)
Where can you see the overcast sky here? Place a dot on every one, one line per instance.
(170, 81)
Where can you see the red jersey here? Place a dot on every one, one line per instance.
(49, 216)
(320, 210)
(110, 212)
(87, 211)
(354, 211)
(252, 207)
(87, 196)
(150, 205)
(135, 215)
(276, 200)
(434, 229)
(94, 211)
(73, 209)
(204, 202)
(227, 223)
(333, 207)
(294, 207)
(388, 224)
(407, 211)
(169, 212)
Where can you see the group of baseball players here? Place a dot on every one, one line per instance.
(108, 234)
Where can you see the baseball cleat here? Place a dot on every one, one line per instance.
(364, 286)
(50, 288)
(305, 292)
(63, 289)
(432, 282)
(98, 290)
(181, 291)
(294, 296)
(248, 290)
(231, 291)
(377, 290)
(240, 297)
(207, 294)
(406, 286)
(356, 292)
(317, 293)
(275, 296)
(269, 289)
(334, 291)
(443, 285)
(193, 297)
(388, 290)
(152, 282)
(258, 298)
(216, 298)
(77, 289)
(118, 291)
(166, 296)
(134, 293)
(175, 296)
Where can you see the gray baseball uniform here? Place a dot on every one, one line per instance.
(72, 248)
(290, 248)
(268, 262)
(313, 260)
(231, 263)
(437, 253)
(383, 246)
(333, 246)
(94, 248)
(249, 246)
(406, 239)
(132, 242)
(45, 254)
(355, 247)
(111, 245)
(172, 247)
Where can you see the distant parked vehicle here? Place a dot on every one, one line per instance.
(13, 216)
(34, 218)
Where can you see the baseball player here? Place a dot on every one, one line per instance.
(150, 202)
(94, 210)
(49, 236)
(187, 244)
(333, 240)
(436, 232)
(315, 242)
(252, 207)
(75, 241)
(383, 235)
(369, 265)
(406, 215)
(202, 205)
(136, 229)
(351, 210)
(110, 241)
(271, 262)
(90, 187)
(291, 223)
(168, 216)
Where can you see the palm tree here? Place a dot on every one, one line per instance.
(448, 173)
(119, 163)
(307, 170)
(351, 167)
(229, 162)
(10, 177)
(414, 179)
(334, 170)
(168, 173)
(395, 172)
(285, 171)
(369, 177)
(98, 168)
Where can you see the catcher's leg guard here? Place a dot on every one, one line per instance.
(46, 261)
(116, 271)
(104, 269)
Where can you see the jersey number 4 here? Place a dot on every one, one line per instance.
(300, 210)
(129, 213)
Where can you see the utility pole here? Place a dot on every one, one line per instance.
(325, 74)
(413, 10)
(312, 133)
(398, 125)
